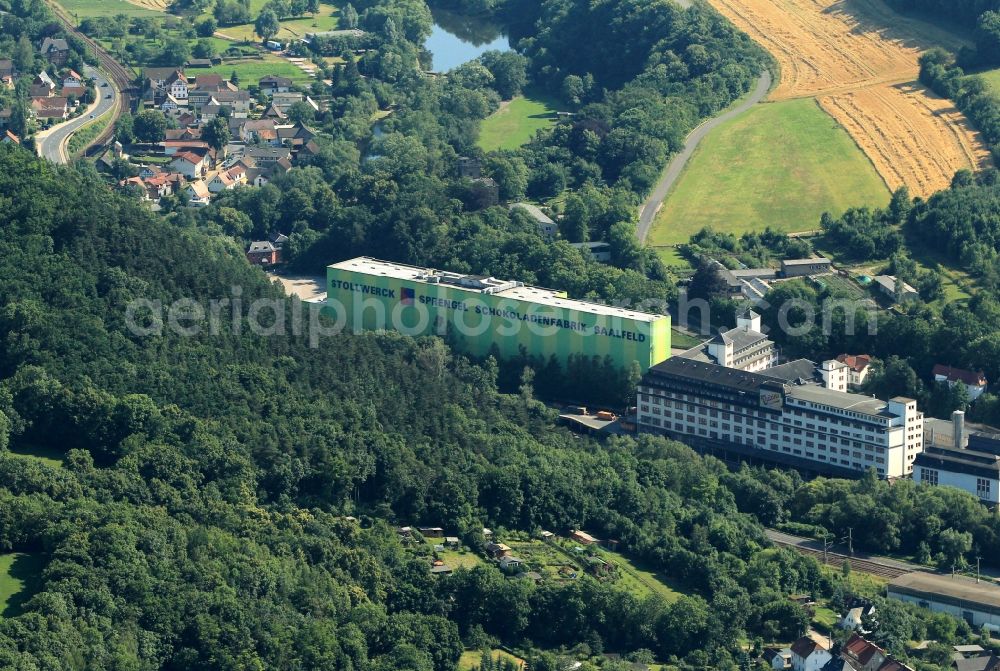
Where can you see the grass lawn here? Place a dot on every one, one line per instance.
(681, 339)
(84, 8)
(46, 455)
(516, 122)
(251, 71)
(992, 78)
(459, 559)
(826, 618)
(780, 165)
(639, 580)
(19, 580)
(471, 659)
(672, 257)
(291, 29)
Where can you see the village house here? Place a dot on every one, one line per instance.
(177, 86)
(777, 659)
(294, 136)
(73, 85)
(863, 655)
(975, 383)
(42, 86)
(239, 102)
(511, 564)
(162, 185)
(55, 49)
(272, 84)
(9, 138)
(852, 619)
(55, 107)
(213, 83)
(497, 550)
(273, 112)
(259, 130)
(226, 180)
(198, 193)
(859, 365)
(190, 164)
(5, 117)
(809, 654)
(182, 134)
(264, 155)
(264, 253)
(170, 104)
(7, 81)
(887, 285)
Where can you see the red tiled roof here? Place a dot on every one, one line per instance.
(189, 156)
(856, 362)
(862, 650)
(806, 646)
(959, 374)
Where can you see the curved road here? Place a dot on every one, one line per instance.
(677, 163)
(53, 145)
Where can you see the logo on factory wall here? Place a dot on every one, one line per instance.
(770, 399)
(407, 296)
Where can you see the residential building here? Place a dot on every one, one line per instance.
(887, 285)
(485, 314)
(294, 136)
(190, 164)
(863, 655)
(546, 226)
(55, 49)
(156, 78)
(55, 107)
(263, 253)
(227, 180)
(5, 117)
(170, 104)
(497, 550)
(213, 83)
(809, 654)
(744, 347)
(285, 100)
(853, 618)
(764, 416)
(976, 602)
(975, 383)
(260, 130)
(264, 155)
(982, 662)
(600, 251)
(182, 134)
(237, 101)
(805, 267)
(777, 659)
(9, 138)
(42, 86)
(272, 84)
(859, 365)
(177, 86)
(273, 112)
(198, 193)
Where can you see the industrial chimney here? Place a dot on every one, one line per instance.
(958, 428)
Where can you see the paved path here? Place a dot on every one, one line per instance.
(53, 145)
(678, 162)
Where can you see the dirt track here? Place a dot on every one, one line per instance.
(859, 58)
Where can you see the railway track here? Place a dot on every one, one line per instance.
(859, 565)
(121, 76)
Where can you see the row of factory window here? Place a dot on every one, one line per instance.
(931, 476)
(761, 443)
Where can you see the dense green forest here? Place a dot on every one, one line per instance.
(197, 520)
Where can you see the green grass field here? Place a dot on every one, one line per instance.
(681, 339)
(45, 455)
(19, 580)
(250, 72)
(472, 659)
(516, 122)
(85, 8)
(291, 29)
(780, 165)
(639, 580)
(992, 78)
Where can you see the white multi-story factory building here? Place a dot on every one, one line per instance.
(766, 417)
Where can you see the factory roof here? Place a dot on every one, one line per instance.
(984, 593)
(478, 284)
(860, 403)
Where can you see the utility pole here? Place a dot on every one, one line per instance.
(826, 544)
(850, 541)
(977, 568)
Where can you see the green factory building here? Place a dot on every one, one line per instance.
(475, 312)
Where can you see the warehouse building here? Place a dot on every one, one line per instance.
(976, 602)
(771, 417)
(479, 313)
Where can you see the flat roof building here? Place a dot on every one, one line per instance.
(481, 313)
(765, 416)
(805, 267)
(976, 602)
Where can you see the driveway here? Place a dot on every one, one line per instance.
(53, 144)
(677, 163)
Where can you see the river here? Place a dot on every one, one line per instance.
(456, 39)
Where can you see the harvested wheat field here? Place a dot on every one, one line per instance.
(859, 59)
(889, 120)
(827, 45)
